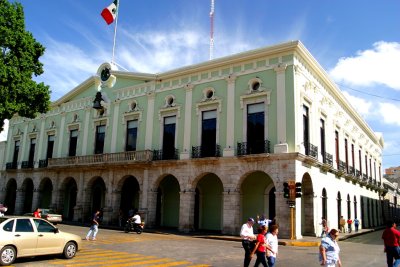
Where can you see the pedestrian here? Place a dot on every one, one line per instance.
(263, 221)
(325, 228)
(349, 222)
(260, 247)
(247, 235)
(37, 213)
(272, 245)
(120, 217)
(342, 223)
(391, 239)
(329, 250)
(94, 228)
(356, 224)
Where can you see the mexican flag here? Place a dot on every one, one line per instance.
(110, 12)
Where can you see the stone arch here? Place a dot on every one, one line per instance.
(45, 193)
(348, 206)
(254, 189)
(129, 188)
(339, 209)
(324, 205)
(69, 191)
(27, 195)
(168, 201)
(208, 203)
(95, 195)
(307, 206)
(11, 195)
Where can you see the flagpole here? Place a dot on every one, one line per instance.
(115, 33)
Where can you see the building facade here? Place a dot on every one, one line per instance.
(202, 147)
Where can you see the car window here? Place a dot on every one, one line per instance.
(43, 226)
(24, 225)
(9, 226)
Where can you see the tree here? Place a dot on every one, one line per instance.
(19, 61)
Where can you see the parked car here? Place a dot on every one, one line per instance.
(49, 215)
(23, 236)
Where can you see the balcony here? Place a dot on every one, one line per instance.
(43, 163)
(27, 164)
(165, 154)
(258, 147)
(98, 159)
(327, 159)
(342, 166)
(11, 165)
(311, 150)
(203, 152)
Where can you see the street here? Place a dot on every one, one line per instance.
(116, 248)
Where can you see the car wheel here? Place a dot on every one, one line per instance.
(70, 250)
(7, 255)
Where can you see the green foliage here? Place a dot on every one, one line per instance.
(19, 61)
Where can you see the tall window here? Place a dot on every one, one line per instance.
(322, 138)
(32, 153)
(168, 145)
(306, 130)
(208, 133)
(366, 165)
(360, 160)
(370, 167)
(50, 146)
(16, 152)
(255, 128)
(100, 136)
(352, 157)
(73, 141)
(131, 135)
(337, 148)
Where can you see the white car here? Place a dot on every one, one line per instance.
(23, 236)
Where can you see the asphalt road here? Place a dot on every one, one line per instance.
(115, 248)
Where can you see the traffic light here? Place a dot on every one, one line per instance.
(286, 192)
(298, 189)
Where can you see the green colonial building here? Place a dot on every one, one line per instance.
(201, 147)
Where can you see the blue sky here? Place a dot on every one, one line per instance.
(357, 42)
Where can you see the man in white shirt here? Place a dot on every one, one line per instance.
(136, 219)
(247, 235)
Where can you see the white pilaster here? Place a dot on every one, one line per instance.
(115, 127)
(149, 125)
(188, 125)
(229, 150)
(86, 131)
(61, 138)
(281, 103)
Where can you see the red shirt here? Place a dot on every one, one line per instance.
(261, 241)
(391, 237)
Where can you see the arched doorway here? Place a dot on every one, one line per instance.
(324, 200)
(45, 193)
(27, 189)
(255, 190)
(339, 209)
(11, 196)
(97, 196)
(70, 190)
(129, 195)
(307, 206)
(168, 202)
(348, 207)
(208, 203)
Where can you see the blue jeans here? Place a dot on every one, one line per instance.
(393, 253)
(92, 231)
(260, 259)
(271, 261)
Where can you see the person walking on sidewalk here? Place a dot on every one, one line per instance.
(356, 224)
(342, 224)
(260, 247)
(247, 235)
(94, 228)
(325, 228)
(391, 239)
(349, 222)
(329, 250)
(272, 245)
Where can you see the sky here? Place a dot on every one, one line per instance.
(357, 42)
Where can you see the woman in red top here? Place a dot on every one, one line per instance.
(37, 214)
(260, 247)
(391, 239)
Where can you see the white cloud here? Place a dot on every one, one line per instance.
(389, 113)
(362, 106)
(378, 65)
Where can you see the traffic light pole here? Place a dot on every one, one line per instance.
(292, 190)
(292, 237)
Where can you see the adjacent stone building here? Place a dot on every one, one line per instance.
(202, 147)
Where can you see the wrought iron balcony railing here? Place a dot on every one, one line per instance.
(258, 147)
(342, 166)
(122, 157)
(165, 154)
(365, 177)
(358, 173)
(203, 152)
(11, 165)
(27, 164)
(328, 159)
(351, 170)
(43, 163)
(311, 150)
